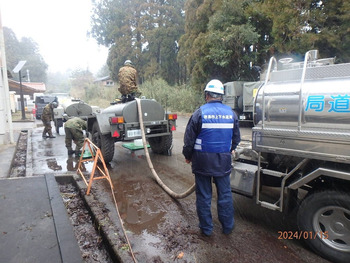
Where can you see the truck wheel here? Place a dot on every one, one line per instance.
(104, 142)
(161, 144)
(324, 217)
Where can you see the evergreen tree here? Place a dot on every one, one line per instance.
(12, 48)
(218, 41)
(302, 25)
(35, 62)
(28, 50)
(329, 26)
(144, 31)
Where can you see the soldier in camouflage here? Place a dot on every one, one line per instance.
(47, 117)
(127, 77)
(74, 131)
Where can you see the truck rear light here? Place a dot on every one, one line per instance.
(116, 120)
(172, 116)
(173, 128)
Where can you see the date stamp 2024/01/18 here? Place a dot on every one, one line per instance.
(302, 234)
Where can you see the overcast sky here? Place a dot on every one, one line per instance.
(60, 28)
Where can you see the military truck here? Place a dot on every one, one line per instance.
(120, 123)
(72, 108)
(301, 150)
(239, 95)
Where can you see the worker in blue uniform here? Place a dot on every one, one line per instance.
(212, 134)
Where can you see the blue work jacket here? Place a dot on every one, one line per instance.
(211, 134)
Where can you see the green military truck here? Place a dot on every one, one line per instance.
(240, 95)
(120, 123)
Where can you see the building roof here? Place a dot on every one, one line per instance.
(38, 86)
(28, 88)
(102, 78)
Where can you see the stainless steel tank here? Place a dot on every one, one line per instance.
(305, 113)
(324, 105)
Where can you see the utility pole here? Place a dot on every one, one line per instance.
(5, 108)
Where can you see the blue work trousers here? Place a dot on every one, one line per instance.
(224, 202)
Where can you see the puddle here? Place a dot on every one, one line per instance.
(138, 207)
(52, 164)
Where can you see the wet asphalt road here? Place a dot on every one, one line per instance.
(159, 227)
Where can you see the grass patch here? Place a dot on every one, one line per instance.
(182, 99)
(17, 116)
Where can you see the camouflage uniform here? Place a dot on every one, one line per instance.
(46, 118)
(127, 77)
(74, 131)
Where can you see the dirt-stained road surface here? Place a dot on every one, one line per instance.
(162, 229)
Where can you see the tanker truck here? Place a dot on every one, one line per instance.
(72, 108)
(299, 157)
(120, 122)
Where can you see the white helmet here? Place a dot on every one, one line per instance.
(127, 62)
(215, 86)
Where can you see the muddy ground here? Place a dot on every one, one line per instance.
(159, 228)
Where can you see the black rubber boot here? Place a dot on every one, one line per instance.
(131, 97)
(124, 98)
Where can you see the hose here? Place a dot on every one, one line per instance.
(150, 164)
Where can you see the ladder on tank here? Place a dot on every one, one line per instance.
(278, 205)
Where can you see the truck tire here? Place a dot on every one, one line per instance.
(104, 142)
(325, 218)
(161, 144)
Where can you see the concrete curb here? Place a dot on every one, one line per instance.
(69, 248)
(12, 150)
(29, 157)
